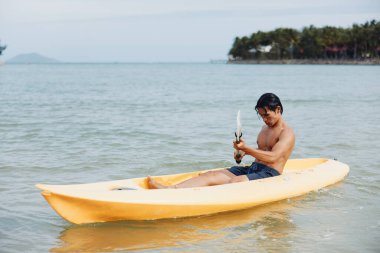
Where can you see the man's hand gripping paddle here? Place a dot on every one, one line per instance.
(238, 135)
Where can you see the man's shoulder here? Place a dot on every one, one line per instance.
(288, 131)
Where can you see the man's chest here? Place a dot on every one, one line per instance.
(267, 139)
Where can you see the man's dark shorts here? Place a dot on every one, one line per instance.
(255, 171)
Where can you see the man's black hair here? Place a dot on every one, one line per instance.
(269, 100)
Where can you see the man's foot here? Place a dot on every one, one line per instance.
(155, 185)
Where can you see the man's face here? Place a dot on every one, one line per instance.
(270, 117)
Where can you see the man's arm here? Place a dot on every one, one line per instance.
(284, 144)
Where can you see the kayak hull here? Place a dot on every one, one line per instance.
(132, 200)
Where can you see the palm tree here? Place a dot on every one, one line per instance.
(311, 43)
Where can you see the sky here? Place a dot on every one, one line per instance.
(159, 30)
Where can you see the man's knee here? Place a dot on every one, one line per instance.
(208, 174)
(238, 179)
(216, 177)
(211, 173)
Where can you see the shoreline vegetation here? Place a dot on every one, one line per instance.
(356, 45)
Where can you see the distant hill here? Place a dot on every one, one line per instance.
(31, 58)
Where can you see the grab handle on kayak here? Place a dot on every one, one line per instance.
(123, 189)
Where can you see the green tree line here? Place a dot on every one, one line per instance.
(361, 41)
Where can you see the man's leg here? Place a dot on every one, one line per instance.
(206, 179)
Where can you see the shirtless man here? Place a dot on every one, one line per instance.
(275, 144)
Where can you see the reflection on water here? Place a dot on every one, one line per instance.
(264, 225)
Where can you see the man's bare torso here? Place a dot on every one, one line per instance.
(268, 139)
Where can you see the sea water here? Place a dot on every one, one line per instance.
(80, 123)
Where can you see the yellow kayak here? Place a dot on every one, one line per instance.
(131, 199)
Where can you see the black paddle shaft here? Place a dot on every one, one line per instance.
(238, 155)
